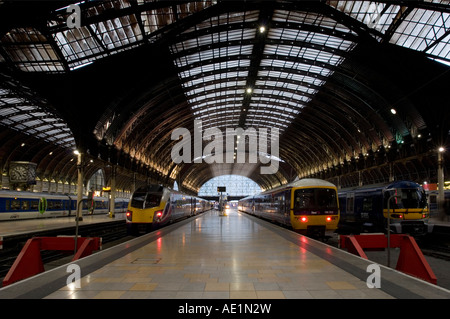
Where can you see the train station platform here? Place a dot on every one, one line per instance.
(222, 257)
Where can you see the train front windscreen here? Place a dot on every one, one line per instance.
(315, 200)
(143, 200)
(408, 198)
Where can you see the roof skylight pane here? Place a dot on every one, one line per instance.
(374, 14)
(214, 70)
(30, 50)
(421, 29)
(30, 119)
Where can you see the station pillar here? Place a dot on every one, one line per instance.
(112, 203)
(441, 196)
(79, 185)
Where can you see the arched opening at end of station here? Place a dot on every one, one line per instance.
(235, 186)
(228, 189)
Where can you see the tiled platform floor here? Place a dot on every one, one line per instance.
(220, 257)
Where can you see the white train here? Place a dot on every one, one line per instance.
(16, 205)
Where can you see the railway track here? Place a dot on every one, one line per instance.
(438, 252)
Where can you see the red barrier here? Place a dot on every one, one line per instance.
(29, 262)
(352, 245)
(87, 247)
(410, 261)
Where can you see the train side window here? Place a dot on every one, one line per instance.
(367, 204)
(15, 204)
(98, 204)
(34, 205)
(288, 199)
(25, 205)
(350, 202)
(57, 204)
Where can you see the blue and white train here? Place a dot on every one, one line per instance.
(15, 205)
(365, 209)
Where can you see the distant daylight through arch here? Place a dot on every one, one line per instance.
(235, 186)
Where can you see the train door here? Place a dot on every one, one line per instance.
(287, 207)
(68, 206)
(193, 206)
(350, 207)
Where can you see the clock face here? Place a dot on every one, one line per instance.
(18, 173)
(31, 174)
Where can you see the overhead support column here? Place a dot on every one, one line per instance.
(79, 185)
(441, 196)
(112, 203)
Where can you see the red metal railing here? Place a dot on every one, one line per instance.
(29, 262)
(410, 261)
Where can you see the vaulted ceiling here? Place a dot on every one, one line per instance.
(356, 89)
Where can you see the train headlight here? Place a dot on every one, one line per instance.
(158, 215)
(329, 219)
(304, 219)
(129, 215)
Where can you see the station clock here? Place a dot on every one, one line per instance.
(22, 172)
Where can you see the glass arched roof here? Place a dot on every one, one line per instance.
(418, 25)
(233, 72)
(26, 116)
(216, 57)
(424, 26)
(248, 75)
